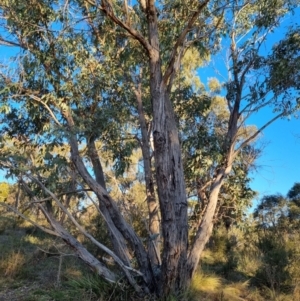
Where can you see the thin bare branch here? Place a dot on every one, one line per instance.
(17, 212)
(91, 238)
(252, 137)
(66, 193)
(9, 43)
(38, 99)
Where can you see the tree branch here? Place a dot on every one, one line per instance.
(107, 9)
(38, 99)
(252, 137)
(180, 40)
(17, 212)
(111, 206)
(66, 193)
(91, 238)
(9, 43)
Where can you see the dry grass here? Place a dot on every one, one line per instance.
(236, 291)
(72, 273)
(12, 264)
(206, 283)
(249, 264)
(296, 292)
(212, 288)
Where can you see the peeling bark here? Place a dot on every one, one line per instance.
(169, 169)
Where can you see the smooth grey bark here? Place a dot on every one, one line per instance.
(154, 222)
(82, 252)
(206, 226)
(97, 166)
(230, 151)
(127, 270)
(117, 239)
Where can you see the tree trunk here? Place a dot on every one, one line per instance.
(205, 229)
(206, 226)
(117, 239)
(169, 170)
(154, 223)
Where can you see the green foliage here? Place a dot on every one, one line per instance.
(270, 210)
(294, 205)
(285, 63)
(276, 259)
(276, 226)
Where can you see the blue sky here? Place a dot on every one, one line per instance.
(279, 165)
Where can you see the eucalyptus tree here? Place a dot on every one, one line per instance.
(277, 227)
(294, 206)
(92, 76)
(279, 213)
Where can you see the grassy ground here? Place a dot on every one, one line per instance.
(36, 267)
(33, 266)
